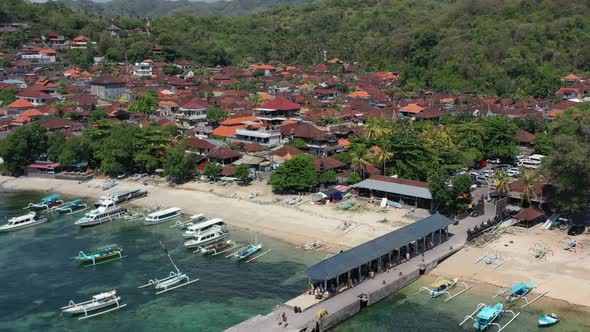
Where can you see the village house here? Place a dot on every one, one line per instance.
(263, 137)
(80, 42)
(108, 87)
(55, 41)
(405, 192)
(275, 111)
(34, 95)
(17, 107)
(143, 69)
(188, 115)
(113, 30)
(229, 127)
(37, 55)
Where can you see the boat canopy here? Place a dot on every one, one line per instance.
(164, 212)
(440, 283)
(104, 295)
(520, 286)
(488, 312)
(50, 198)
(205, 224)
(75, 201)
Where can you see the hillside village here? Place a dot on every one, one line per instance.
(259, 115)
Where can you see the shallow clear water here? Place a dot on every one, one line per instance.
(38, 277)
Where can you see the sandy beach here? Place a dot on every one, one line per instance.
(562, 273)
(266, 214)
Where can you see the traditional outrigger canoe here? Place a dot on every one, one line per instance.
(46, 203)
(246, 251)
(76, 205)
(548, 320)
(442, 285)
(102, 255)
(487, 316)
(99, 301)
(518, 291)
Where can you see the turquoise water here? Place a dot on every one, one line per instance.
(37, 277)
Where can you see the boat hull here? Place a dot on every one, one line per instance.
(80, 309)
(195, 244)
(548, 320)
(5, 228)
(159, 221)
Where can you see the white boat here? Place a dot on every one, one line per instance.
(108, 211)
(99, 301)
(161, 216)
(121, 196)
(194, 219)
(27, 220)
(206, 238)
(197, 228)
(174, 280)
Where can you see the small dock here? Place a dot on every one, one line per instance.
(349, 302)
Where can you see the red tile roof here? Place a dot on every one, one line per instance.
(281, 103)
(528, 214)
(198, 143)
(328, 163)
(223, 153)
(524, 136)
(287, 149)
(21, 103)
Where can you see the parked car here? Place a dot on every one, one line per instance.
(494, 161)
(513, 172)
(481, 180)
(478, 165)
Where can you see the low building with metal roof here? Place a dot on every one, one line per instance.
(406, 192)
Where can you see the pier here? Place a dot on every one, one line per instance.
(427, 242)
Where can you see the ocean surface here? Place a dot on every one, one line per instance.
(38, 276)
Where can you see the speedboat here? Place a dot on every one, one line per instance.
(108, 211)
(487, 316)
(194, 229)
(99, 301)
(207, 238)
(161, 216)
(549, 320)
(27, 220)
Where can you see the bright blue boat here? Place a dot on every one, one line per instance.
(46, 203)
(247, 251)
(549, 320)
(72, 206)
(487, 316)
(518, 291)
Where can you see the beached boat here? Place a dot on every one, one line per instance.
(121, 196)
(548, 320)
(75, 205)
(174, 280)
(99, 301)
(161, 216)
(108, 211)
(27, 220)
(46, 203)
(101, 255)
(518, 291)
(442, 285)
(207, 238)
(195, 229)
(313, 245)
(109, 184)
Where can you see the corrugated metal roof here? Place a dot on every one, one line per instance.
(371, 250)
(394, 188)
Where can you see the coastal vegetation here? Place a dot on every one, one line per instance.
(513, 48)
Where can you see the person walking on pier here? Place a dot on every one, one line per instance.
(285, 319)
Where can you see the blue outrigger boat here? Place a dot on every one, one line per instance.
(76, 205)
(102, 255)
(518, 291)
(486, 316)
(246, 251)
(46, 203)
(548, 320)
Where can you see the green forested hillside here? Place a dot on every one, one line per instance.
(505, 47)
(157, 8)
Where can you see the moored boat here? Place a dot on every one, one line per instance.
(161, 216)
(486, 317)
(108, 211)
(46, 203)
(246, 251)
(195, 229)
(207, 238)
(99, 301)
(443, 285)
(72, 206)
(518, 291)
(218, 247)
(101, 255)
(20, 222)
(548, 320)
(121, 196)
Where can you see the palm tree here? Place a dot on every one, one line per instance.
(257, 99)
(376, 128)
(529, 179)
(501, 180)
(383, 156)
(359, 159)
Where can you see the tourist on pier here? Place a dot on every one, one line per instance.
(285, 319)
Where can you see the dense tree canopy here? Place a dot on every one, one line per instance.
(297, 174)
(22, 147)
(512, 48)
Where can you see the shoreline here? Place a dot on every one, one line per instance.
(296, 225)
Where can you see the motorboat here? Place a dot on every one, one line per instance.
(207, 238)
(27, 220)
(192, 220)
(108, 211)
(486, 317)
(548, 320)
(197, 228)
(121, 196)
(518, 291)
(161, 216)
(443, 285)
(99, 301)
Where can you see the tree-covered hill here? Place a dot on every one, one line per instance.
(505, 47)
(157, 8)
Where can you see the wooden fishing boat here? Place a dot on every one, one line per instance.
(216, 248)
(20, 222)
(46, 203)
(488, 315)
(442, 285)
(548, 320)
(76, 205)
(246, 251)
(102, 255)
(313, 245)
(98, 302)
(174, 280)
(518, 291)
